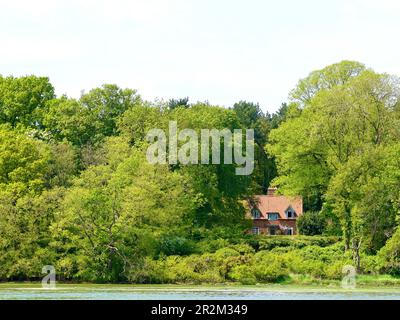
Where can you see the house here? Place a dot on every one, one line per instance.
(274, 214)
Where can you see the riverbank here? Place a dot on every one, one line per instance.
(364, 290)
(296, 282)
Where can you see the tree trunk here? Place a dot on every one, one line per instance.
(356, 254)
(347, 228)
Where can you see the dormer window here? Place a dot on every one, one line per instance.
(290, 213)
(273, 216)
(255, 214)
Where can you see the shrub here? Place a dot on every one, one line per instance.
(240, 263)
(211, 245)
(224, 253)
(389, 255)
(369, 264)
(335, 270)
(149, 271)
(319, 262)
(243, 248)
(325, 254)
(311, 224)
(244, 274)
(176, 246)
(270, 267)
(296, 242)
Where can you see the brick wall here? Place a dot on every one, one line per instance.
(265, 225)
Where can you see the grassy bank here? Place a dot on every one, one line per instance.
(295, 282)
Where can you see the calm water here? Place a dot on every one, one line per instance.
(83, 292)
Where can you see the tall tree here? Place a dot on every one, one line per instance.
(252, 117)
(21, 99)
(337, 124)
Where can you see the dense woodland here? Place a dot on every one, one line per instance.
(77, 192)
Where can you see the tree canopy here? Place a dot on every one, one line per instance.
(77, 191)
(334, 147)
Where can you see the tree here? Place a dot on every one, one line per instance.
(352, 115)
(175, 103)
(22, 99)
(248, 113)
(311, 224)
(252, 117)
(325, 79)
(24, 161)
(138, 121)
(68, 119)
(27, 168)
(114, 215)
(389, 255)
(90, 119)
(25, 235)
(218, 187)
(280, 116)
(107, 104)
(370, 181)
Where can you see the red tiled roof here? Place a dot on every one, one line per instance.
(278, 204)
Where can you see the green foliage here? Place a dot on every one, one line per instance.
(77, 192)
(269, 267)
(389, 255)
(137, 121)
(271, 242)
(91, 118)
(24, 233)
(332, 221)
(252, 117)
(107, 104)
(247, 267)
(243, 274)
(176, 246)
(175, 103)
(331, 76)
(22, 99)
(23, 160)
(280, 116)
(311, 224)
(114, 218)
(334, 149)
(68, 119)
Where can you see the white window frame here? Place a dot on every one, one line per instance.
(255, 230)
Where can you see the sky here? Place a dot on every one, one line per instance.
(221, 51)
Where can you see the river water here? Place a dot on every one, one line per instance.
(122, 292)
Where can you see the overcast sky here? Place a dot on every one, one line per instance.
(222, 51)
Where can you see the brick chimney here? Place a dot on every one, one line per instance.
(271, 191)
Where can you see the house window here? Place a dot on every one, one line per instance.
(290, 214)
(255, 231)
(256, 214)
(273, 216)
(289, 231)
